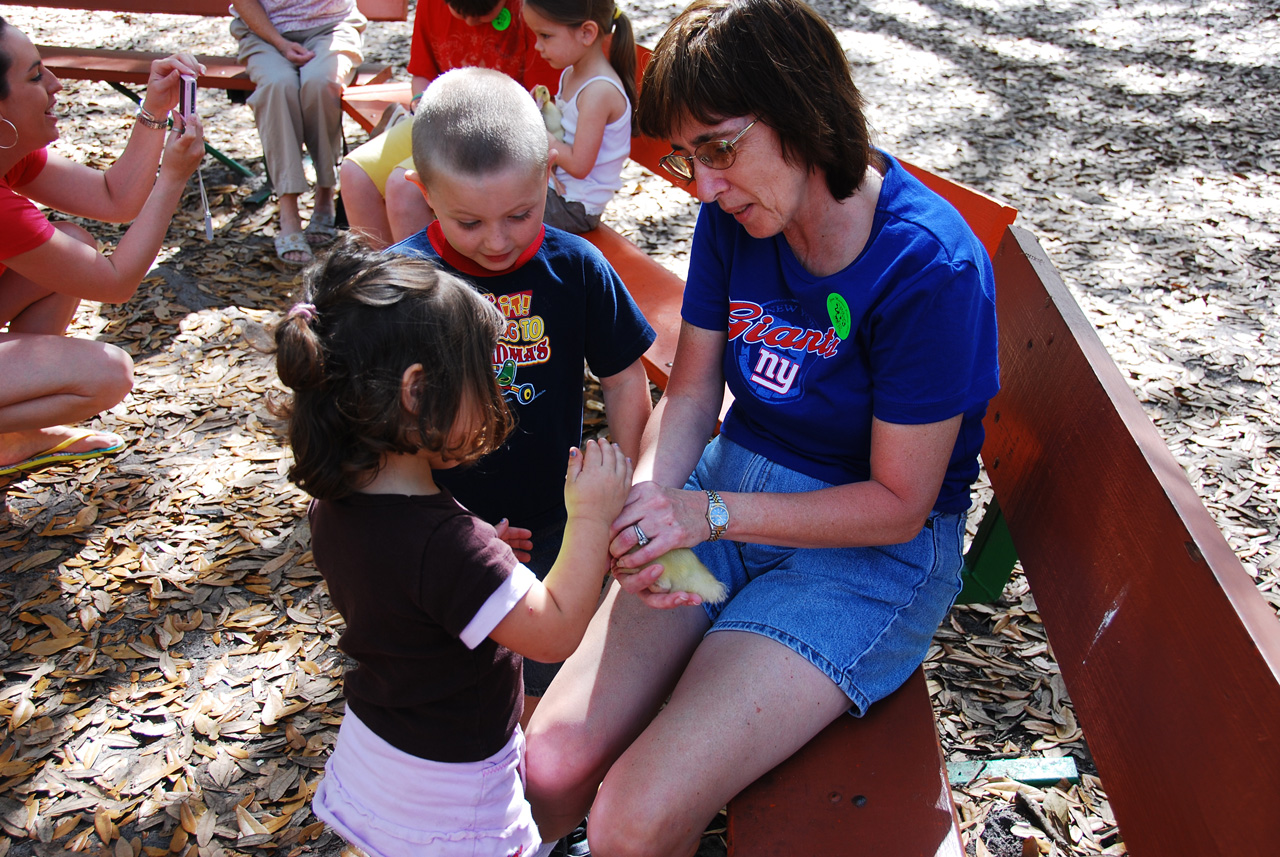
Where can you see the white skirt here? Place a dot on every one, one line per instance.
(389, 803)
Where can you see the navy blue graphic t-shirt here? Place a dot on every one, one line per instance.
(564, 304)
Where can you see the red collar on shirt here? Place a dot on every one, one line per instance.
(461, 263)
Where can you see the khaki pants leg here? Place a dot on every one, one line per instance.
(294, 106)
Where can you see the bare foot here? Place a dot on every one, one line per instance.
(19, 446)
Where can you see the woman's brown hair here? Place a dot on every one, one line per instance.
(364, 319)
(775, 60)
(6, 62)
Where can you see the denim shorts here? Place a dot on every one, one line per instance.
(862, 615)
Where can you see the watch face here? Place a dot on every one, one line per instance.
(719, 516)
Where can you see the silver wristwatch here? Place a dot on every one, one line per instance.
(717, 515)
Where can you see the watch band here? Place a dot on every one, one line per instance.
(717, 515)
(149, 121)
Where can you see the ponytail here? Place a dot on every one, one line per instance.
(610, 18)
(622, 56)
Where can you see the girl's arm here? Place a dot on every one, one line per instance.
(117, 194)
(628, 405)
(548, 623)
(69, 267)
(599, 103)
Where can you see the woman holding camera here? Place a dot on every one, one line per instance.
(851, 312)
(48, 380)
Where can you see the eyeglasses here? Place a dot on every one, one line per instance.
(716, 154)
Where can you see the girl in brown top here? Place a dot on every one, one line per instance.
(389, 360)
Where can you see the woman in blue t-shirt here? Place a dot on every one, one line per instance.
(851, 313)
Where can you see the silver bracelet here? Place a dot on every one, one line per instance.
(150, 121)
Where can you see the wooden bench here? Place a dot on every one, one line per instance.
(125, 67)
(121, 66)
(1171, 656)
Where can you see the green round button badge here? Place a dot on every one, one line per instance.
(503, 20)
(838, 309)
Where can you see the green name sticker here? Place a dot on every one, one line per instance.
(503, 20)
(838, 309)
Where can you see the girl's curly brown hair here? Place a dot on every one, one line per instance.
(365, 318)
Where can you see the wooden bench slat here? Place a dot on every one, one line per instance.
(875, 785)
(1171, 656)
(110, 66)
(657, 291)
(365, 103)
(135, 66)
(374, 10)
(986, 215)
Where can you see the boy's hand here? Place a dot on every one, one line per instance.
(517, 538)
(597, 481)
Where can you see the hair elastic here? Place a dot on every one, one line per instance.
(307, 312)
(15, 133)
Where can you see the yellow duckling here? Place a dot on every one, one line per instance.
(550, 113)
(682, 571)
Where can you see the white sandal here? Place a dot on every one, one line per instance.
(294, 242)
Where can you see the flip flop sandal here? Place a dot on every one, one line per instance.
(295, 242)
(320, 230)
(55, 455)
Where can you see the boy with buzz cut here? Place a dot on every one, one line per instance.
(446, 34)
(482, 162)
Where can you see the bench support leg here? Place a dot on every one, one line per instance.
(219, 156)
(989, 561)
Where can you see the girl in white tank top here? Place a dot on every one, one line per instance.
(594, 101)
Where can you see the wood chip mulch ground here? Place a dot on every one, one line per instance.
(169, 679)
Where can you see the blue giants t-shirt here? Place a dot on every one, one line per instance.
(563, 303)
(906, 333)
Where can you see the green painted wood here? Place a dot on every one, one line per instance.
(990, 560)
(1033, 772)
(218, 155)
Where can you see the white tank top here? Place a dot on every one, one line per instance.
(595, 191)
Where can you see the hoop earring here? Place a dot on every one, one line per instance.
(15, 133)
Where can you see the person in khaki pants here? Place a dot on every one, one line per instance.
(300, 53)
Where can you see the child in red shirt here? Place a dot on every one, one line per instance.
(447, 34)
